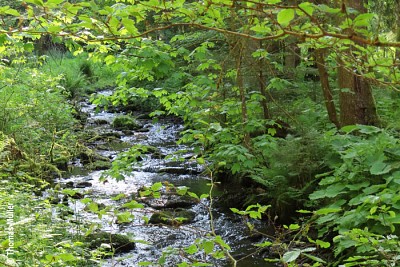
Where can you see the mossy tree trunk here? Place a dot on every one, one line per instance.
(357, 105)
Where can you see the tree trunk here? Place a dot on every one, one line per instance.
(242, 91)
(261, 81)
(357, 105)
(326, 89)
(292, 57)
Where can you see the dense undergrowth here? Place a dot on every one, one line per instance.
(38, 136)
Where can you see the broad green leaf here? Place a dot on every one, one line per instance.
(327, 9)
(191, 249)
(118, 197)
(66, 257)
(145, 263)
(307, 7)
(208, 246)
(93, 207)
(133, 205)
(264, 244)
(363, 20)
(349, 128)
(194, 195)
(285, 16)
(317, 194)
(234, 210)
(124, 217)
(69, 192)
(221, 242)
(273, 2)
(200, 161)
(204, 196)
(56, 2)
(322, 244)
(335, 190)
(368, 129)
(261, 29)
(86, 200)
(373, 210)
(181, 190)
(358, 186)
(129, 26)
(327, 218)
(54, 28)
(157, 186)
(379, 167)
(291, 256)
(325, 211)
(12, 12)
(304, 211)
(314, 258)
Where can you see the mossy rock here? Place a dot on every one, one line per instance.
(120, 243)
(170, 201)
(99, 165)
(173, 217)
(149, 149)
(125, 122)
(61, 163)
(88, 156)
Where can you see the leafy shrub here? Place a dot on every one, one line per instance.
(361, 195)
(35, 114)
(34, 233)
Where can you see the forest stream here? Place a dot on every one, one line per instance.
(151, 169)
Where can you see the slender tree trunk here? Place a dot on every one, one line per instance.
(357, 105)
(292, 58)
(326, 89)
(261, 81)
(242, 92)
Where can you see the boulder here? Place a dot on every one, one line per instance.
(119, 243)
(170, 202)
(99, 165)
(125, 122)
(83, 184)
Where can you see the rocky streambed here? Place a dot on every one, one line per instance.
(150, 205)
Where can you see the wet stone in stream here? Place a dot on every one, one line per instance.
(173, 217)
(170, 202)
(120, 243)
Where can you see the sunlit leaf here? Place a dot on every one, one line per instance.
(291, 256)
(285, 16)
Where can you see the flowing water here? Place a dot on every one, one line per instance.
(163, 135)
